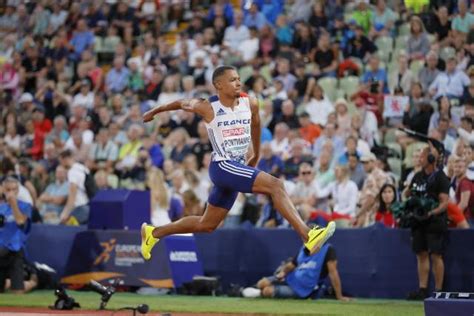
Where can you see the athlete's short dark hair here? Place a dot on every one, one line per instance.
(220, 71)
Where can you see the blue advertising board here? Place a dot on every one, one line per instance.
(114, 256)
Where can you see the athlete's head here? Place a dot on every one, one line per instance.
(226, 80)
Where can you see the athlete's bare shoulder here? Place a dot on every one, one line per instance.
(200, 106)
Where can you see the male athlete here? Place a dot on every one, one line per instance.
(233, 122)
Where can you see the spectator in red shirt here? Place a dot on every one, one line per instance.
(42, 127)
(308, 130)
(464, 189)
(387, 196)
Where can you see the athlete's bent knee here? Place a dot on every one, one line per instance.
(274, 186)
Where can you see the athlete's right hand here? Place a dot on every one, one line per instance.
(148, 116)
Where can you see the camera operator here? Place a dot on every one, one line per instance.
(430, 186)
(15, 218)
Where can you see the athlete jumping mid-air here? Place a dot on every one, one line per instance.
(233, 122)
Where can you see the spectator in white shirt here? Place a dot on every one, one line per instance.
(466, 131)
(319, 106)
(85, 97)
(280, 144)
(76, 210)
(249, 47)
(235, 34)
(344, 195)
(450, 83)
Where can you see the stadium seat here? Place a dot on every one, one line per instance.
(98, 40)
(245, 73)
(396, 167)
(349, 85)
(390, 136)
(351, 108)
(395, 147)
(329, 86)
(340, 94)
(358, 62)
(384, 44)
(404, 29)
(401, 42)
(383, 55)
(416, 66)
(447, 52)
(397, 52)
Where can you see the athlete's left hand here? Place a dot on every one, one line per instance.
(252, 162)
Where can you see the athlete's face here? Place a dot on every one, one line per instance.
(229, 83)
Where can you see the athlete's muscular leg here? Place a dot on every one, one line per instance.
(269, 185)
(212, 217)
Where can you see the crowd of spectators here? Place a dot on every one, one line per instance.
(76, 76)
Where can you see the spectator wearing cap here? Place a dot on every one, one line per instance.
(450, 82)
(308, 130)
(376, 178)
(429, 71)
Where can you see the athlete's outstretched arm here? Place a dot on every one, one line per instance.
(202, 107)
(255, 132)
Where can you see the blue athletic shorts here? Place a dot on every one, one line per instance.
(229, 178)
